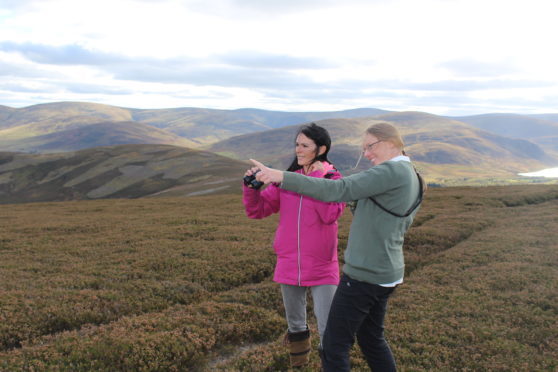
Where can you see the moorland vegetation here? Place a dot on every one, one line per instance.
(174, 284)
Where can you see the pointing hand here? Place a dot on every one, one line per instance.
(267, 175)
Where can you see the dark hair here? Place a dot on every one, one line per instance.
(320, 136)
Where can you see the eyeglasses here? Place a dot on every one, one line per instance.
(370, 146)
(366, 148)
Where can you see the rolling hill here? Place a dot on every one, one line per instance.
(51, 117)
(513, 125)
(492, 145)
(206, 126)
(442, 147)
(99, 134)
(25, 129)
(5, 112)
(124, 171)
(541, 129)
(33, 128)
(549, 117)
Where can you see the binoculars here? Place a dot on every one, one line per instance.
(252, 182)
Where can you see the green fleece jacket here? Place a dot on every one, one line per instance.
(374, 251)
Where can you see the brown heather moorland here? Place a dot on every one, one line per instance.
(175, 284)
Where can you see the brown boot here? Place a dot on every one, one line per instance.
(299, 345)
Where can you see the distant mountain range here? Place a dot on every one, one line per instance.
(491, 145)
(540, 129)
(19, 127)
(441, 146)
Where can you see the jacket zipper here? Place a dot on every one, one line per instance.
(298, 241)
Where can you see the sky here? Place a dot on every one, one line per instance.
(445, 57)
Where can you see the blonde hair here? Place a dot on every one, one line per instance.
(386, 132)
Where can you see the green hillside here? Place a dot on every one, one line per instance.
(124, 171)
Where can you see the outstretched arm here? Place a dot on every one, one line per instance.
(376, 180)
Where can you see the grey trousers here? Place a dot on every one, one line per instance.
(294, 300)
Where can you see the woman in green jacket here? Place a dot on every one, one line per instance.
(387, 198)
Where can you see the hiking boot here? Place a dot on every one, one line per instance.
(299, 347)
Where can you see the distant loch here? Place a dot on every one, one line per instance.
(547, 173)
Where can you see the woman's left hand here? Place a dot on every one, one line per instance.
(317, 165)
(267, 175)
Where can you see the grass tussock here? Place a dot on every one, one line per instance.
(185, 284)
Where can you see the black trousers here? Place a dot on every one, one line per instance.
(358, 309)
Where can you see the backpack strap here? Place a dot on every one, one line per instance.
(413, 207)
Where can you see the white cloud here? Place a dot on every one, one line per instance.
(273, 54)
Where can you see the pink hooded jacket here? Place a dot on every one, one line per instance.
(306, 237)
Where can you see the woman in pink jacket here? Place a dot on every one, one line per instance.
(305, 240)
